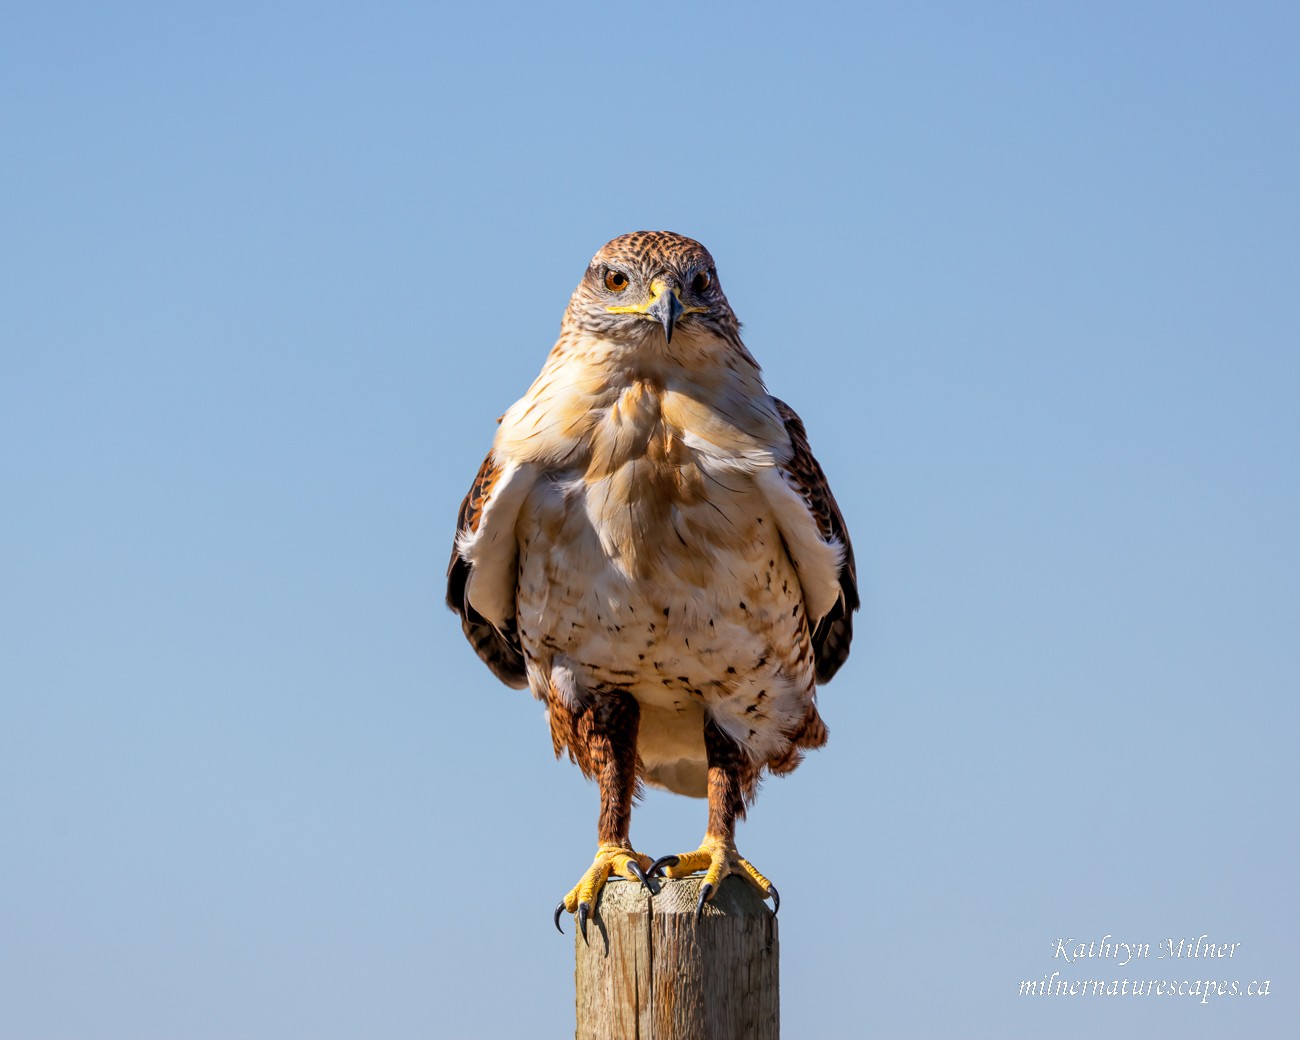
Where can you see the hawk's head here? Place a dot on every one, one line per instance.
(652, 282)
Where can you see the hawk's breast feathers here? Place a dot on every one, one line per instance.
(482, 571)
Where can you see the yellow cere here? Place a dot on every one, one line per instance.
(656, 290)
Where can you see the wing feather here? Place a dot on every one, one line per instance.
(834, 631)
(500, 650)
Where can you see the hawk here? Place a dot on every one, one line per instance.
(652, 549)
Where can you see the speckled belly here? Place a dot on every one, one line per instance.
(695, 609)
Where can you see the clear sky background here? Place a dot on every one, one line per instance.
(269, 272)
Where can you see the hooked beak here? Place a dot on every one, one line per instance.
(666, 307)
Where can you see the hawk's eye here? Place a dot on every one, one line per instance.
(701, 282)
(615, 281)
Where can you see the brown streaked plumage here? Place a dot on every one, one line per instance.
(652, 548)
(498, 647)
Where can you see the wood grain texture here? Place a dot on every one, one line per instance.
(650, 972)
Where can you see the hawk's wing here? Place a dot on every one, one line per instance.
(834, 631)
(500, 649)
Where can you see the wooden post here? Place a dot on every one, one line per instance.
(649, 972)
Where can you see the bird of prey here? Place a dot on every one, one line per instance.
(652, 549)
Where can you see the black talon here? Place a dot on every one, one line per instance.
(583, 910)
(776, 899)
(706, 890)
(559, 910)
(657, 867)
(635, 867)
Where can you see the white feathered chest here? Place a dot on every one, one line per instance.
(655, 544)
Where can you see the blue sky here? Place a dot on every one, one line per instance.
(271, 272)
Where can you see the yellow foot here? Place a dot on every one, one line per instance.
(717, 857)
(617, 859)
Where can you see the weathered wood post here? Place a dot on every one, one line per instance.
(649, 971)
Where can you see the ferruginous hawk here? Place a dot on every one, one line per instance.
(652, 549)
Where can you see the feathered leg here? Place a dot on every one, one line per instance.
(606, 734)
(732, 778)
